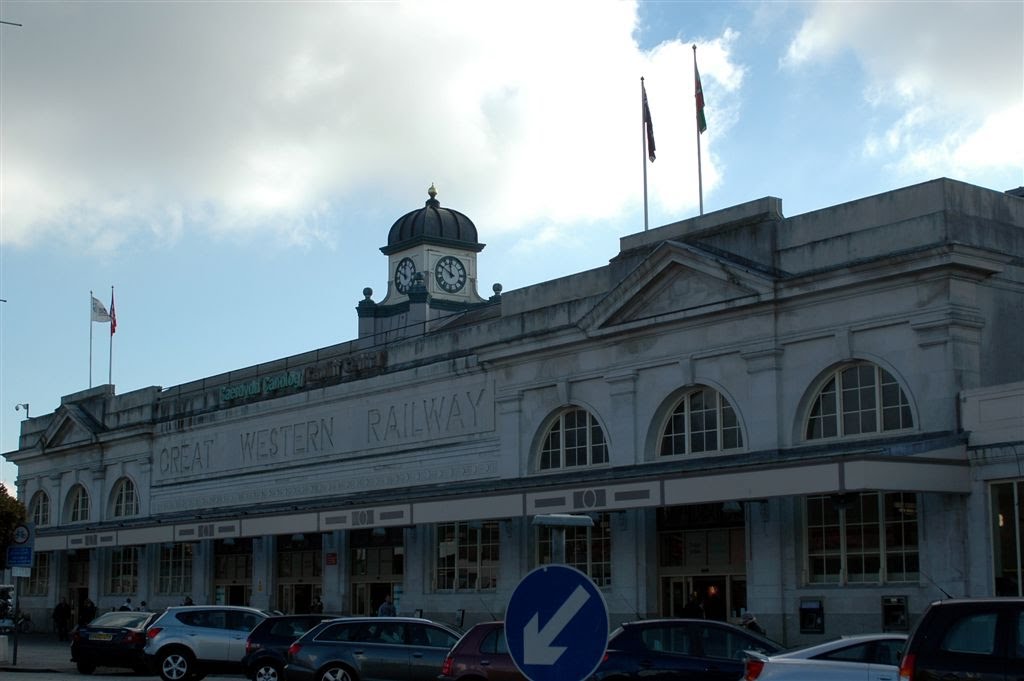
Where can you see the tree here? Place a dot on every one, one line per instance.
(12, 512)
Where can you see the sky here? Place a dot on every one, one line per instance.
(232, 169)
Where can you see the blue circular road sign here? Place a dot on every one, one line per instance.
(556, 625)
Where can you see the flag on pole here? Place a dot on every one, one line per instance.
(648, 124)
(99, 313)
(113, 315)
(698, 93)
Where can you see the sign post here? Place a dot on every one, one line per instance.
(556, 624)
(19, 559)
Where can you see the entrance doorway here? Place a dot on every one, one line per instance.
(296, 598)
(367, 596)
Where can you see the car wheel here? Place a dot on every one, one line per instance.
(86, 668)
(267, 671)
(176, 665)
(335, 673)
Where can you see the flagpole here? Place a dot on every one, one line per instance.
(110, 356)
(643, 146)
(700, 178)
(90, 338)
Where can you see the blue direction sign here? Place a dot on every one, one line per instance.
(556, 624)
(19, 554)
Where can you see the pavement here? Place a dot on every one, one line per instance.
(41, 653)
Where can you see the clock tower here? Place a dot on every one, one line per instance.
(432, 273)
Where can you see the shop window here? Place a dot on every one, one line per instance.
(39, 578)
(1007, 517)
(588, 549)
(78, 505)
(124, 570)
(858, 399)
(39, 509)
(866, 538)
(125, 501)
(702, 421)
(467, 556)
(175, 569)
(574, 439)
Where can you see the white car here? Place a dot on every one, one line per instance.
(864, 657)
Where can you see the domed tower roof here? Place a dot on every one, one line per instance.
(432, 224)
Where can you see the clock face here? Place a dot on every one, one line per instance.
(450, 274)
(403, 275)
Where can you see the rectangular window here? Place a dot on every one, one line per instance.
(588, 549)
(124, 570)
(866, 538)
(175, 569)
(467, 556)
(39, 579)
(1007, 513)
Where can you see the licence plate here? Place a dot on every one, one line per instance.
(100, 636)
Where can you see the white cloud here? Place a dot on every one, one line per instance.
(952, 71)
(157, 118)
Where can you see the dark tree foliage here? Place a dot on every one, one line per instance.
(12, 512)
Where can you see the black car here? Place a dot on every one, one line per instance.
(114, 639)
(680, 649)
(967, 638)
(267, 644)
(407, 648)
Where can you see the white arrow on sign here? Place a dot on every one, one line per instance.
(537, 648)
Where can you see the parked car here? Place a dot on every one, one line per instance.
(114, 639)
(190, 641)
(968, 638)
(864, 657)
(371, 648)
(481, 655)
(680, 648)
(267, 644)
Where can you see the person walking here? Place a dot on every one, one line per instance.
(62, 619)
(87, 612)
(127, 605)
(387, 608)
(317, 607)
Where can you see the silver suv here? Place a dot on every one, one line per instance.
(191, 641)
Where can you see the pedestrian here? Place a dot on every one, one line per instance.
(142, 606)
(387, 608)
(750, 622)
(127, 605)
(317, 607)
(87, 612)
(694, 608)
(62, 619)
(187, 601)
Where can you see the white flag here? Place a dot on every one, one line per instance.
(99, 313)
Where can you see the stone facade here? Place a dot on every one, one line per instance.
(799, 416)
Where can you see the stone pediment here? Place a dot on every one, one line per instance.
(679, 280)
(71, 426)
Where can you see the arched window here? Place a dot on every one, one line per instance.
(574, 439)
(125, 501)
(703, 421)
(39, 509)
(856, 399)
(78, 504)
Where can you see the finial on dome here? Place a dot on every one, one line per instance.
(432, 202)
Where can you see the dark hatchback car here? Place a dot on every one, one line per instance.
(481, 654)
(267, 644)
(371, 649)
(981, 639)
(680, 649)
(114, 639)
